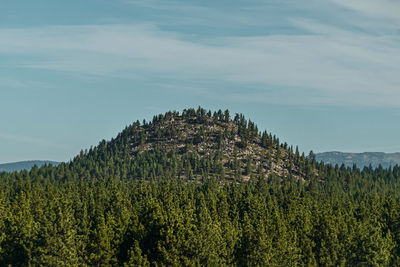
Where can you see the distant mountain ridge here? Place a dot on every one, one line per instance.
(24, 165)
(360, 159)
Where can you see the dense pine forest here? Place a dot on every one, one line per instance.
(199, 188)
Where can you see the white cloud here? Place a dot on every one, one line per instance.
(339, 65)
(383, 9)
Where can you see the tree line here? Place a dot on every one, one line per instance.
(108, 207)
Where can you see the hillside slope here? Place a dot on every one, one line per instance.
(198, 144)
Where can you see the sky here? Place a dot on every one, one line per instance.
(323, 75)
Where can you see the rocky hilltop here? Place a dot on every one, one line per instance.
(198, 144)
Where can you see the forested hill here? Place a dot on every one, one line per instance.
(192, 145)
(199, 189)
(24, 165)
(198, 144)
(360, 159)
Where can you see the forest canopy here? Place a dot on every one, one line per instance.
(199, 188)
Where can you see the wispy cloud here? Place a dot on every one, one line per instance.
(34, 141)
(340, 65)
(383, 9)
(16, 84)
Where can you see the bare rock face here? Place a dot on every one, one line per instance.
(234, 145)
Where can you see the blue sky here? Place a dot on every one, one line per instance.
(323, 75)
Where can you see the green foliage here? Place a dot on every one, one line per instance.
(114, 206)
